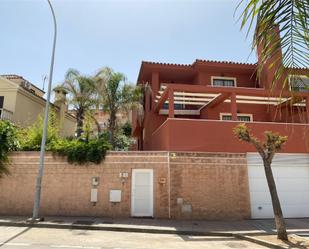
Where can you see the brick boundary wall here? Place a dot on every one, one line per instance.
(209, 186)
(186, 185)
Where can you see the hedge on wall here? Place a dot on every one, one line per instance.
(8, 142)
(79, 151)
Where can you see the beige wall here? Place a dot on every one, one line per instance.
(211, 185)
(68, 126)
(26, 107)
(8, 90)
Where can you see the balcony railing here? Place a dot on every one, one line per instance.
(6, 114)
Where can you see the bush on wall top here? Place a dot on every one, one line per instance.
(8, 142)
(79, 151)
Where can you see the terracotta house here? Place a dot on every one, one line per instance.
(193, 108)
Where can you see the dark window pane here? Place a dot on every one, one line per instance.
(299, 84)
(244, 118)
(223, 82)
(226, 117)
(1, 101)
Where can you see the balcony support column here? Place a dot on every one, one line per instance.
(307, 109)
(171, 103)
(233, 107)
(155, 85)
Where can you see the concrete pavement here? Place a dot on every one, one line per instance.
(267, 226)
(261, 232)
(38, 238)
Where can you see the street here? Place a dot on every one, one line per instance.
(44, 238)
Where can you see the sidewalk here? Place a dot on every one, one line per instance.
(256, 230)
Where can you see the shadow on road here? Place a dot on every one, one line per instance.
(15, 236)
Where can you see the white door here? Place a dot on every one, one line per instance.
(142, 193)
(291, 173)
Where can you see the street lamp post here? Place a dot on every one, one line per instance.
(37, 196)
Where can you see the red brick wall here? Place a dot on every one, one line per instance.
(66, 188)
(212, 185)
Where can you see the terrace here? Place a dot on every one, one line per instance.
(183, 99)
(186, 129)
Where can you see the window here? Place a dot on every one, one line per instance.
(226, 117)
(240, 117)
(1, 105)
(223, 81)
(299, 83)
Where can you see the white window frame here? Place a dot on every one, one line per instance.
(223, 78)
(238, 115)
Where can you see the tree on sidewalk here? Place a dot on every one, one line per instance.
(267, 149)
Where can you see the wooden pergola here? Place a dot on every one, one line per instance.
(199, 97)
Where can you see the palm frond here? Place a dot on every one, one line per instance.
(281, 25)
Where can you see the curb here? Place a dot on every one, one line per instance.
(116, 229)
(259, 241)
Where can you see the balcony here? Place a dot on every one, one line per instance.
(200, 135)
(6, 114)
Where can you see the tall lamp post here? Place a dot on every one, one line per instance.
(37, 196)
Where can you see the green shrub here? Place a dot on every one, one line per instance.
(121, 140)
(127, 129)
(30, 138)
(79, 151)
(8, 142)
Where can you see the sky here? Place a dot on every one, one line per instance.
(117, 33)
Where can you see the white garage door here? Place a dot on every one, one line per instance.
(291, 173)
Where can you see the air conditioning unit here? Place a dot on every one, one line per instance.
(26, 84)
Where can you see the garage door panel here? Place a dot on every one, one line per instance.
(291, 173)
(262, 211)
(290, 170)
(258, 184)
(289, 211)
(292, 198)
(256, 172)
(292, 184)
(261, 198)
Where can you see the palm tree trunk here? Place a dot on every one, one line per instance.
(112, 127)
(80, 122)
(279, 220)
(97, 124)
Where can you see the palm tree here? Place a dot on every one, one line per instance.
(290, 18)
(115, 96)
(81, 95)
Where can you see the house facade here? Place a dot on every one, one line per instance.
(22, 102)
(195, 107)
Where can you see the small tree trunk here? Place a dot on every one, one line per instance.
(279, 220)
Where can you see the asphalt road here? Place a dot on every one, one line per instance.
(44, 238)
